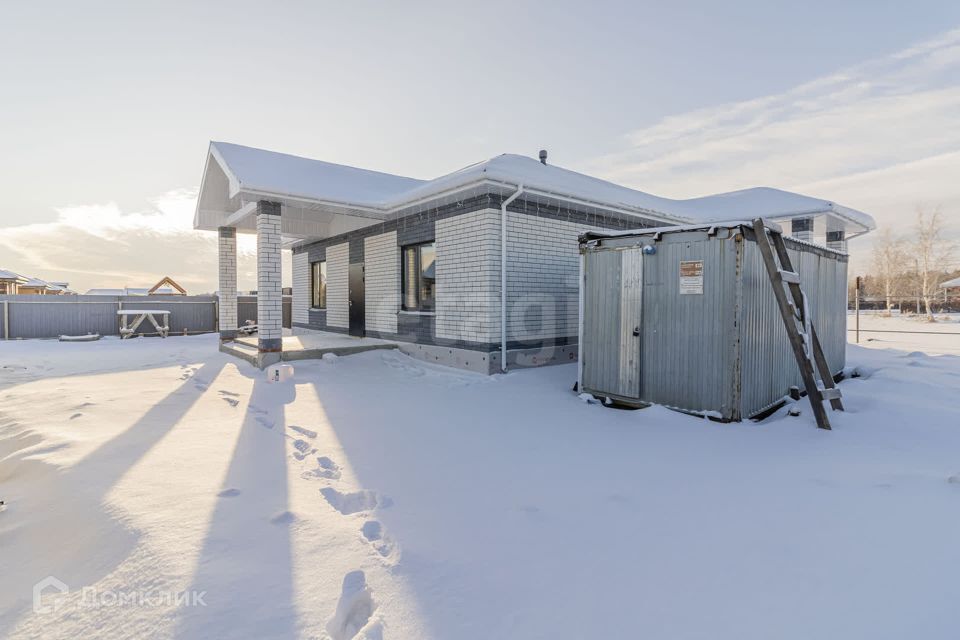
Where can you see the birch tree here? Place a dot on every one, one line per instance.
(889, 263)
(932, 251)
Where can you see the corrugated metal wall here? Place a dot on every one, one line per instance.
(769, 368)
(688, 340)
(247, 310)
(52, 316)
(725, 350)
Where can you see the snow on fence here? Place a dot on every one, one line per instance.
(35, 316)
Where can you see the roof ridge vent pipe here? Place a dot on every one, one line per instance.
(543, 156)
(503, 276)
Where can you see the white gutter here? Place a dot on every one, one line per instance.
(503, 276)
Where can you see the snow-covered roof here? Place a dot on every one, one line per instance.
(273, 172)
(10, 275)
(950, 284)
(37, 283)
(105, 292)
(242, 175)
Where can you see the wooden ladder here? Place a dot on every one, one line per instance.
(799, 324)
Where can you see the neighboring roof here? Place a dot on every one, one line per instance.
(249, 173)
(167, 280)
(10, 275)
(37, 283)
(950, 284)
(105, 292)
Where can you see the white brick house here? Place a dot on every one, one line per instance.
(421, 262)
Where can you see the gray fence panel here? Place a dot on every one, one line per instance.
(247, 310)
(34, 316)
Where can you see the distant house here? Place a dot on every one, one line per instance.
(12, 283)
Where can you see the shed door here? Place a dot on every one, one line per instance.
(612, 298)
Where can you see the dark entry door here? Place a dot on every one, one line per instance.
(357, 310)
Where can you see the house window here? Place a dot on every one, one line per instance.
(418, 266)
(318, 284)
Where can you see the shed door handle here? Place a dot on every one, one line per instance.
(636, 332)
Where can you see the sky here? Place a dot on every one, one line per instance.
(106, 108)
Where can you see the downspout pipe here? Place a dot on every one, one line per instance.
(503, 276)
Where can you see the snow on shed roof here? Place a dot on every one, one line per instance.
(950, 284)
(269, 172)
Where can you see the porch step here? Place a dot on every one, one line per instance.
(240, 350)
(249, 352)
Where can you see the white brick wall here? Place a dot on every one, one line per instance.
(338, 285)
(468, 276)
(301, 287)
(542, 271)
(228, 282)
(382, 285)
(269, 299)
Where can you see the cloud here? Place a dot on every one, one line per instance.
(881, 136)
(100, 245)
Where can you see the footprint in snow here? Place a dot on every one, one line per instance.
(233, 402)
(304, 432)
(354, 610)
(228, 393)
(229, 493)
(265, 422)
(76, 415)
(372, 531)
(326, 468)
(355, 502)
(284, 517)
(303, 449)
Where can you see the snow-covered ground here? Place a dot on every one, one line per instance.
(380, 497)
(906, 332)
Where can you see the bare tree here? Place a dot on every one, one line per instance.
(889, 263)
(932, 251)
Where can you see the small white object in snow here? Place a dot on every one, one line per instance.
(279, 372)
(588, 398)
(87, 338)
(954, 479)
(330, 357)
(3, 506)
(793, 411)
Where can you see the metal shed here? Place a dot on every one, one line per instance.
(686, 317)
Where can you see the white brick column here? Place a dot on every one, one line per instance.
(228, 282)
(269, 298)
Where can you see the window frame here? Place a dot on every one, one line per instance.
(418, 283)
(318, 296)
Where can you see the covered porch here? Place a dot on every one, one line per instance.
(282, 199)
